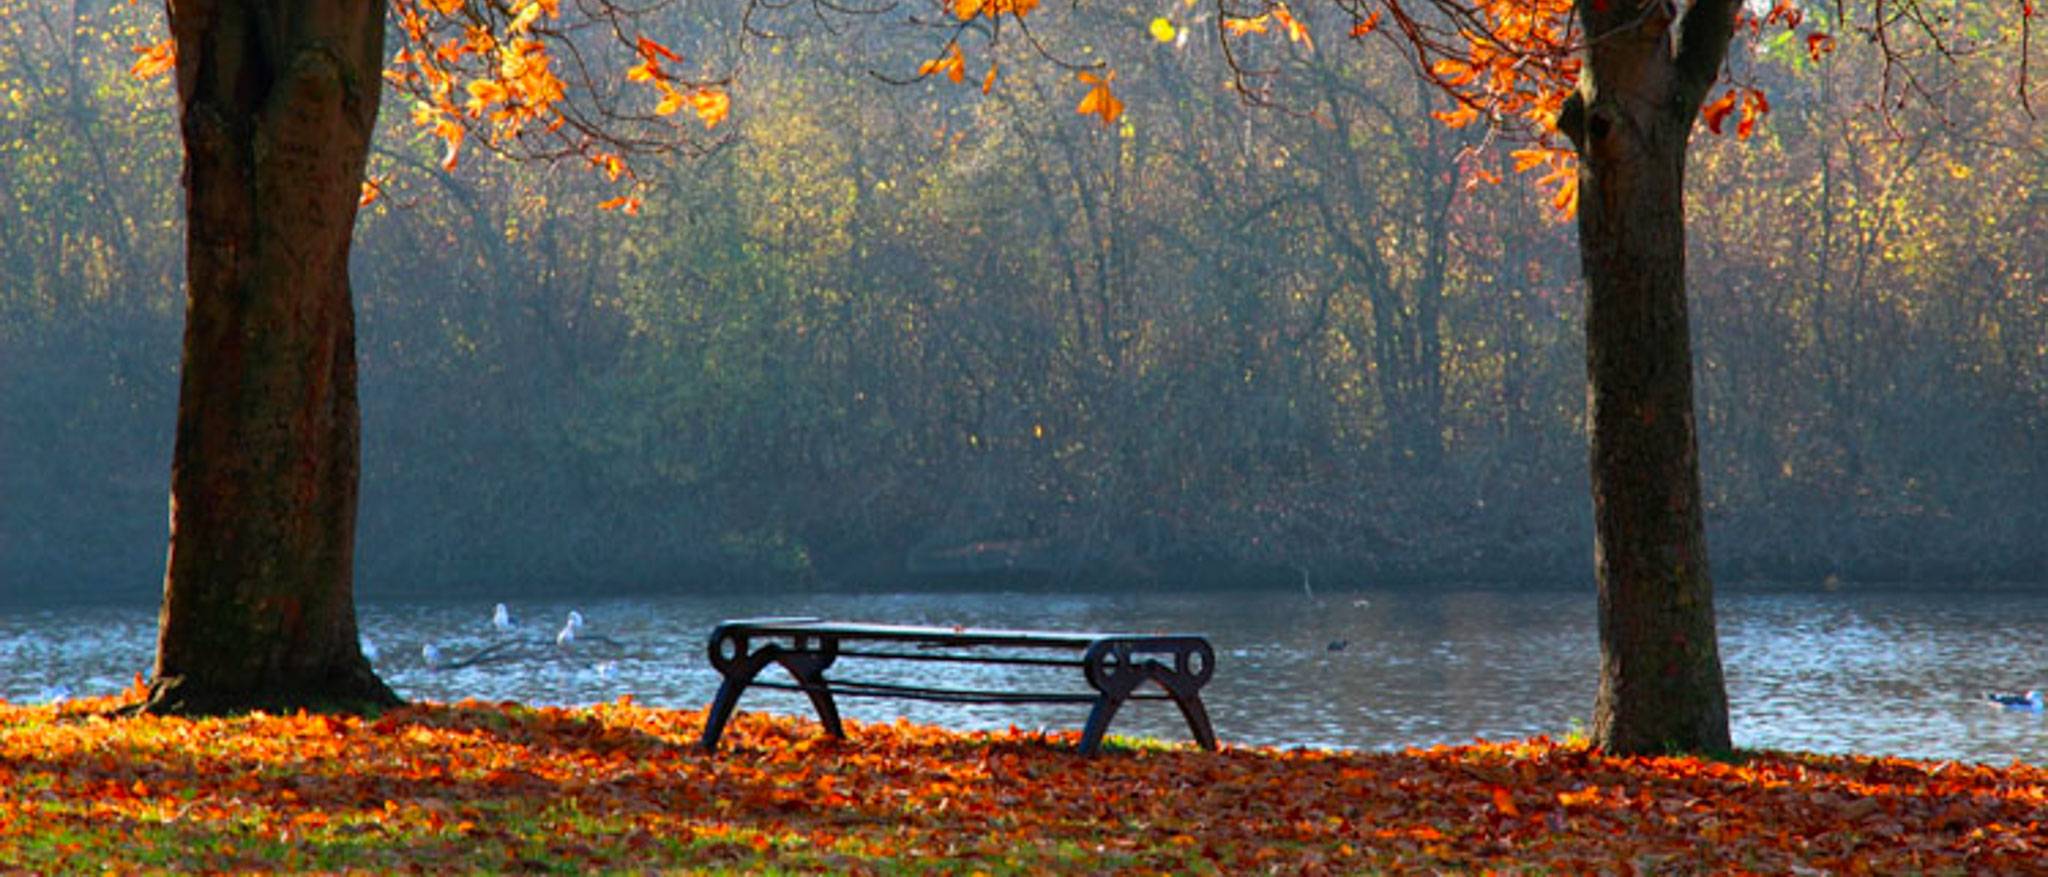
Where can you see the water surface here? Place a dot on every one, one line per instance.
(1889, 673)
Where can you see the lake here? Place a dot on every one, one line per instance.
(1893, 673)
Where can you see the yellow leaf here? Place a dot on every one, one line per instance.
(645, 71)
(523, 22)
(1566, 201)
(1161, 30)
(671, 100)
(371, 189)
(711, 106)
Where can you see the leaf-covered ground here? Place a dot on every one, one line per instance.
(502, 787)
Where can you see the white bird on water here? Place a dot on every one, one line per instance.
(607, 670)
(432, 654)
(501, 618)
(567, 637)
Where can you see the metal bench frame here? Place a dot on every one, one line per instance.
(1115, 665)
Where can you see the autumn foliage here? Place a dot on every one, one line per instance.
(507, 787)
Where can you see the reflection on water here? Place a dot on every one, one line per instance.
(1882, 673)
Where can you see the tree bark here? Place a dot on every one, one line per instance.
(1645, 76)
(278, 99)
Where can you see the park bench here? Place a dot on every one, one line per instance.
(1115, 666)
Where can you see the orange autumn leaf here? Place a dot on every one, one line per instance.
(1366, 25)
(968, 9)
(453, 137)
(649, 49)
(1504, 801)
(610, 165)
(1458, 117)
(1296, 32)
(1528, 158)
(1717, 112)
(988, 83)
(1754, 106)
(372, 190)
(1238, 26)
(1099, 101)
(154, 60)
(1819, 45)
(483, 93)
(1586, 797)
(952, 64)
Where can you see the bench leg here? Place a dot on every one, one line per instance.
(809, 670)
(1189, 698)
(808, 667)
(738, 674)
(1115, 672)
(1113, 693)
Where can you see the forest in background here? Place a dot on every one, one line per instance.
(896, 335)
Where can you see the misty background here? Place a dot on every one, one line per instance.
(911, 336)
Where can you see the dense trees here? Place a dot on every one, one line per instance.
(1186, 343)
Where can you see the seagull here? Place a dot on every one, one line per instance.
(567, 637)
(501, 618)
(432, 654)
(607, 670)
(2029, 702)
(369, 648)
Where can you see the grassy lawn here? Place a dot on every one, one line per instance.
(504, 787)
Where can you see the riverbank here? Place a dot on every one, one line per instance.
(501, 787)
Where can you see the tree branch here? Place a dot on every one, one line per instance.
(1701, 44)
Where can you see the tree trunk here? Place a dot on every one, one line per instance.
(277, 100)
(1646, 75)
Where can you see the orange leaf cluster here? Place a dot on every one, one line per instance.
(1561, 174)
(1519, 67)
(990, 9)
(1753, 107)
(502, 787)
(508, 76)
(492, 72)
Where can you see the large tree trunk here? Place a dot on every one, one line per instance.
(278, 100)
(1660, 667)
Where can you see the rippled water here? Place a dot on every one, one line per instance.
(1891, 673)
